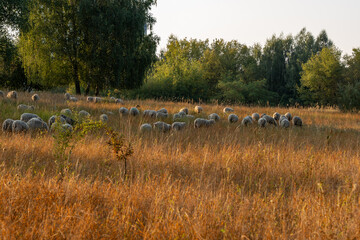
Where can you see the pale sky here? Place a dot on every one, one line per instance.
(254, 21)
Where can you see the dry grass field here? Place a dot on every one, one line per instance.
(222, 182)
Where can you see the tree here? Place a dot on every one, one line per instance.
(322, 74)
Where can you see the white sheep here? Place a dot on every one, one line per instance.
(7, 125)
(255, 116)
(67, 96)
(190, 117)
(202, 122)
(104, 118)
(185, 110)
(288, 116)
(163, 110)
(84, 114)
(161, 115)
(282, 117)
(177, 126)
(162, 126)
(37, 124)
(2, 94)
(90, 99)
(269, 119)
(284, 123)
(146, 127)
(63, 127)
(55, 118)
(25, 117)
(228, 110)
(119, 101)
(66, 111)
(214, 116)
(19, 126)
(73, 99)
(67, 127)
(247, 121)
(123, 111)
(134, 111)
(35, 97)
(112, 99)
(297, 121)
(22, 107)
(276, 116)
(97, 99)
(198, 109)
(232, 118)
(12, 94)
(262, 122)
(68, 119)
(149, 113)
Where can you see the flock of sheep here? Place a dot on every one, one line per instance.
(32, 122)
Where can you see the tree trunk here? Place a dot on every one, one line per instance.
(76, 79)
(87, 90)
(97, 90)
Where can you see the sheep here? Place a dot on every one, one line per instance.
(97, 99)
(7, 125)
(146, 127)
(162, 126)
(35, 97)
(233, 118)
(262, 122)
(255, 116)
(190, 117)
(149, 113)
(177, 126)
(25, 117)
(163, 110)
(67, 127)
(63, 127)
(214, 116)
(198, 109)
(288, 116)
(112, 99)
(73, 99)
(19, 126)
(134, 111)
(282, 117)
(55, 118)
(22, 107)
(84, 114)
(68, 119)
(247, 121)
(90, 99)
(269, 119)
(104, 118)
(228, 110)
(2, 94)
(123, 111)
(36, 124)
(12, 94)
(202, 122)
(297, 121)
(161, 115)
(276, 116)
(119, 101)
(66, 111)
(67, 96)
(284, 123)
(179, 115)
(185, 110)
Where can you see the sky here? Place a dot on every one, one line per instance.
(254, 21)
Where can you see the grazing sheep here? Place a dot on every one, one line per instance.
(163, 110)
(67, 127)
(198, 109)
(149, 113)
(190, 117)
(67, 96)
(12, 94)
(66, 111)
(119, 101)
(276, 116)
(37, 124)
(228, 110)
(202, 122)
(134, 112)
(90, 99)
(84, 113)
(7, 125)
(2, 94)
(282, 117)
(179, 115)
(63, 127)
(233, 118)
(22, 107)
(247, 121)
(185, 110)
(182, 113)
(112, 99)
(123, 111)
(161, 115)
(288, 116)
(19, 126)
(73, 99)
(214, 116)
(262, 122)
(25, 117)
(68, 119)
(104, 118)
(269, 119)
(55, 118)
(162, 126)
(255, 116)
(297, 121)
(97, 99)
(177, 126)
(35, 97)
(146, 127)
(284, 123)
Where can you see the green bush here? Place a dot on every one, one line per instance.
(349, 97)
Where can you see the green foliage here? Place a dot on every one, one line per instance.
(349, 97)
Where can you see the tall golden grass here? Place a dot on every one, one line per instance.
(223, 182)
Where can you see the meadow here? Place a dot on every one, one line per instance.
(223, 182)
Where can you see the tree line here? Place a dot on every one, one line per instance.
(94, 46)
